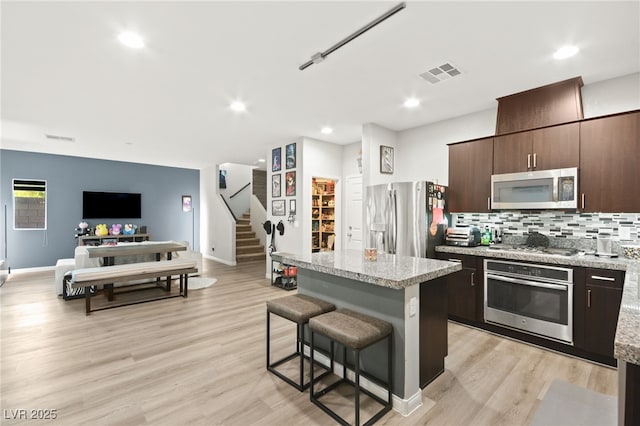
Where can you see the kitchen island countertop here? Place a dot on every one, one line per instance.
(389, 270)
(627, 342)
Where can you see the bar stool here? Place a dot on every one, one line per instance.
(297, 308)
(357, 332)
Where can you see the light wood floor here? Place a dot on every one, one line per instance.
(201, 360)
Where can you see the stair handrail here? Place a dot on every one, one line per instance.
(229, 208)
(240, 190)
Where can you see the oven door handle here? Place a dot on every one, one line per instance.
(527, 282)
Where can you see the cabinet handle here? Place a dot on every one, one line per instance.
(535, 162)
(588, 298)
(455, 260)
(598, 277)
(528, 161)
(473, 275)
(489, 203)
(583, 200)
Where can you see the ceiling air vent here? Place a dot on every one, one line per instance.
(60, 138)
(440, 73)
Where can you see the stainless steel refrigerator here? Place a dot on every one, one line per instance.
(406, 218)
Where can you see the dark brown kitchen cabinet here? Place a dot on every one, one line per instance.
(554, 147)
(464, 288)
(470, 168)
(609, 159)
(603, 293)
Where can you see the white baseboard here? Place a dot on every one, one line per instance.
(401, 405)
(216, 259)
(34, 269)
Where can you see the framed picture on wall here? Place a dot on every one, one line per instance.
(276, 188)
(290, 155)
(276, 159)
(278, 207)
(386, 159)
(290, 183)
(187, 206)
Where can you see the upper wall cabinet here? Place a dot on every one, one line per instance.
(553, 147)
(470, 166)
(609, 163)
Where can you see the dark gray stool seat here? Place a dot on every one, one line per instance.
(298, 308)
(357, 332)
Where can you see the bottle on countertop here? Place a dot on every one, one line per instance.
(485, 239)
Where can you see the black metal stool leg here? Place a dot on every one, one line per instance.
(268, 339)
(311, 376)
(301, 353)
(356, 355)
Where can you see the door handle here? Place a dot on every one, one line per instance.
(599, 278)
(588, 298)
(473, 275)
(528, 161)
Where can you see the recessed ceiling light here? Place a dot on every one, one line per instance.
(238, 106)
(326, 130)
(565, 52)
(412, 102)
(131, 39)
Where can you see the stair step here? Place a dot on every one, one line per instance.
(245, 234)
(243, 222)
(241, 242)
(242, 258)
(243, 228)
(249, 249)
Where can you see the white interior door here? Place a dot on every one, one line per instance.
(353, 204)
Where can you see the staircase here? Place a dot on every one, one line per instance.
(248, 248)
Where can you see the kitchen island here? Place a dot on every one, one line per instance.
(408, 292)
(627, 348)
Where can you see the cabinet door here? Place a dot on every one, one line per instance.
(512, 153)
(556, 147)
(604, 293)
(462, 287)
(609, 158)
(470, 167)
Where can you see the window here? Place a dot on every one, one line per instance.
(29, 204)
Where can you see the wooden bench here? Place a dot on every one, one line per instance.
(107, 276)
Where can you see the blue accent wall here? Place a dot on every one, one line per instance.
(161, 187)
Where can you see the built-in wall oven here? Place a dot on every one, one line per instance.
(537, 299)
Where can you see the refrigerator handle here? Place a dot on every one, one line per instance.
(393, 231)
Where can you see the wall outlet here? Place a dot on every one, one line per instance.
(413, 306)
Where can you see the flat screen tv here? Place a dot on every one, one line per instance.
(111, 205)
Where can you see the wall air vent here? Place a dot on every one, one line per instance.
(440, 73)
(60, 138)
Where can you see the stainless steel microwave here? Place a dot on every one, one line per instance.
(540, 189)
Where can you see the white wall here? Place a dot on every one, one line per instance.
(373, 136)
(321, 160)
(238, 175)
(611, 96)
(258, 217)
(422, 152)
(350, 154)
(218, 226)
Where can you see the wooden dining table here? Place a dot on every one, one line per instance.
(109, 253)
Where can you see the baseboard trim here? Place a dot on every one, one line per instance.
(403, 406)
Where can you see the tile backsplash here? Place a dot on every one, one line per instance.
(623, 227)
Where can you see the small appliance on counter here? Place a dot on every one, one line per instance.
(603, 246)
(466, 236)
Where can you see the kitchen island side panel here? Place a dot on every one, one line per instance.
(380, 302)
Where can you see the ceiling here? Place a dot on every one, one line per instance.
(64, 72)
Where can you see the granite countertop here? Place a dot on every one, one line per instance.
(389, 270)
(627, 342)
(585, 260)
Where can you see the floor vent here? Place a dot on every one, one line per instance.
(440, 73)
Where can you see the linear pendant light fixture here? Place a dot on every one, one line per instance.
(319, 57)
